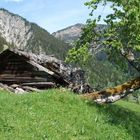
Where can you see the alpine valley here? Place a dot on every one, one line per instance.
(17, 32)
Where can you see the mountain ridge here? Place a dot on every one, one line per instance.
(24, 35)
(70, 33)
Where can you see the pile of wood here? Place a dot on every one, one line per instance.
(18, 89)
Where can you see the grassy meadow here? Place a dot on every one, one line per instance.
(58, 114)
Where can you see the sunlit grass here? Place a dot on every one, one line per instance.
(60, 115)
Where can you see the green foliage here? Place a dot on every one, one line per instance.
(122, 32)
(123, 24)
(58, 114)
(80, 52)
(79, 55)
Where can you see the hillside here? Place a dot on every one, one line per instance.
(27, 36)
(58, 114)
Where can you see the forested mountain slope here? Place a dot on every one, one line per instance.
(27, 36)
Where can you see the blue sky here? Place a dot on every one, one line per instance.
(52, 15)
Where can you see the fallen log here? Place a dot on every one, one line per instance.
(30, 89)
(111, 95)
(40, 84)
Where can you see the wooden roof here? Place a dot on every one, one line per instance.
(31, 58)
(48, 64)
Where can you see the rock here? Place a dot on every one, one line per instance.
(19, 90)
(69, 34)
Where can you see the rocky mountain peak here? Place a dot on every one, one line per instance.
(27, 36)
(69, 34)
(14, 29)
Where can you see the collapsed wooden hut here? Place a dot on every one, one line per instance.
(24, 68)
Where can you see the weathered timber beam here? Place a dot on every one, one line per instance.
(57, 76)
(40, 84)
(30, 89)
(111, 95)
(41, 68)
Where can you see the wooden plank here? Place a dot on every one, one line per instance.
(40, 84)
(41, 68)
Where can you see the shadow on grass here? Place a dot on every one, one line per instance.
(117, 115)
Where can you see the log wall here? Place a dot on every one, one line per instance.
(16, 69)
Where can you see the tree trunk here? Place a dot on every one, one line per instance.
(111, 95)
(130, 57)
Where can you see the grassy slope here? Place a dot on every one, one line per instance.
(57, 115)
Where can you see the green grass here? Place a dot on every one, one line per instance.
(60, 115)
